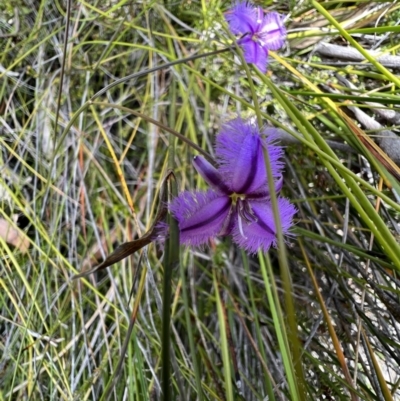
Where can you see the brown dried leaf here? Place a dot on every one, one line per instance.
(13, 236)
(375, 150)
(128, 248)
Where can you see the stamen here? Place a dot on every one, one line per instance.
(228, 223)
(246, 212)
(241, 226)
(259, 15)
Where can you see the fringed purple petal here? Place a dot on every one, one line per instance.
(260, 235)
(254, 53)
(271, 31)
(239, 152)
(262, 193)
(249, 171)
(275, 151)
(161, 231)
(200, 215)
(210, 174)
(242, 18)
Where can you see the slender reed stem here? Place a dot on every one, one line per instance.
(171, 262)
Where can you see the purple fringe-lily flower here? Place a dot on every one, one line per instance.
(261, 32)
(238, 202)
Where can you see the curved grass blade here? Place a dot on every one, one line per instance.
(335, 340)
(382, 382)
(224, 342)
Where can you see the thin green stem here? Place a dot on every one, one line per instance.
(283, 263)
(171, 262)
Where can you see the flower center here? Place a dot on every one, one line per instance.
(236, 197)
(258, 38)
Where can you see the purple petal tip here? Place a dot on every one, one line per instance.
(261, 235)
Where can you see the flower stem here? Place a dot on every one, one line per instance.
(171, 261)
(299, 391)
